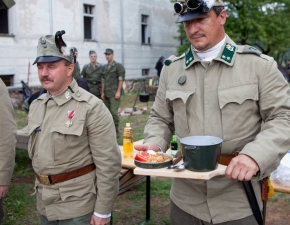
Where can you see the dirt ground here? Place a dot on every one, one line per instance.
(277, 209)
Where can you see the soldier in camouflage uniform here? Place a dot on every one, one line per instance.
(92, 72)
(77, 70)
(112, 86)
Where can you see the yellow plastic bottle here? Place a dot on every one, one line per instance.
(128, 141)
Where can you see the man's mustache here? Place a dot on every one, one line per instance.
(46, 79)
(196, 35)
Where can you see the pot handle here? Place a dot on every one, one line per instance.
(190, 147)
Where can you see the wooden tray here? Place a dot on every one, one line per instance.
(164, 172)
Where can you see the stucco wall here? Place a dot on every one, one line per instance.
(30, 19)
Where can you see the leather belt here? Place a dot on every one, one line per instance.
(225, 159)
(53, 179)
(94, 82)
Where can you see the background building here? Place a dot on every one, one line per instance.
(139, 32)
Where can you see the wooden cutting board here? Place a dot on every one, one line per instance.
(164, 172)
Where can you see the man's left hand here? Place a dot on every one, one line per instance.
(117, 95)
(99, 221)
(242, 167)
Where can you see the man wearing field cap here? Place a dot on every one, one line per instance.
(92, 72)
(112, 86)
(218, 88)
(77, 170)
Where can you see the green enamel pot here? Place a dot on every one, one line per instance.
(201, 153)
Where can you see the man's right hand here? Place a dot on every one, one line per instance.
(3, 191)
(146, 147)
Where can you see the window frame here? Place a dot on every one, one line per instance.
(89, 15)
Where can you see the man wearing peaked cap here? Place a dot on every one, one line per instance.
(77, 171)
(221, 89)
(112, 86)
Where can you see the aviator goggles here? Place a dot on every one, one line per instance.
(190, 5)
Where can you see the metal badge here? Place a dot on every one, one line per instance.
(182, 80)
(68, 123)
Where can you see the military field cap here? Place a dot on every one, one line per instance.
(6, 4)
(52, 48)
(92, 52)
(75, 49)
(191, 9)
(109, 51)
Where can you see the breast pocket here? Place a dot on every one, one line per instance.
(179, 99)
(32, 129)
(69, 143)
(239, 109)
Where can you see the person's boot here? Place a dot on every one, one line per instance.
(117, 131)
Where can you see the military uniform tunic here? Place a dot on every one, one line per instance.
(93, 75)
(56, 147)
(113, 73)
(7, 136)
(229, 98)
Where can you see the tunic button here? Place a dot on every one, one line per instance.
(182, 80)
(78, 94)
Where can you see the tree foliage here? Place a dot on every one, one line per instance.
(264, 24)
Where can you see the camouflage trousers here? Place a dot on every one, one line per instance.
(113, 106)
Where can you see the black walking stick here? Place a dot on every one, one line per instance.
(253, 201)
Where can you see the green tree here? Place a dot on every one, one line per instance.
(261, 23)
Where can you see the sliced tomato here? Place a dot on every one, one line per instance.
(142, 156)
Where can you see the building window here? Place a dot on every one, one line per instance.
(145, 39)
(4, 21)
(8, 79)
(145, 72)
(88, 21)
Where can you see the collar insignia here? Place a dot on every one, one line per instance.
(228, 52)
(67, 95)
(188, 57)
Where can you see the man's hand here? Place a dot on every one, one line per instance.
(103, 96)
(3, 191)
(117, 95)
(147, 146)
(242, 167)
(99, 221)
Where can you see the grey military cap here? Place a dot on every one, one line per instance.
(52, 48)
(109, 51)
(6, 4)
(191, 9)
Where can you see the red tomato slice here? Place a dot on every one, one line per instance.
(142, 156)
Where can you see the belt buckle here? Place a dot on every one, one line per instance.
(44, 179)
